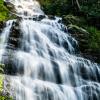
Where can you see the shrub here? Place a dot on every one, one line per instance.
(94, 38)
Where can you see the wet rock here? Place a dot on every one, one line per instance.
(14, 37)
(9, 6)
(12, 67)
(40, 17)
(14, 41)
(57, 72)
(92, 92)
(1, 26)
(51, 17)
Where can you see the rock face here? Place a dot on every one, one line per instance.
(13, 44)
(9, 5)
(13, 41)
(1, 26)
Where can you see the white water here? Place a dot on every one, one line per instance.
(4, 37)
(51, 70)
(26, 8)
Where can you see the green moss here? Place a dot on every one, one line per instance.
(77, 28)
(5, 98)
(4, 13)
(1, 68)
(1, 83)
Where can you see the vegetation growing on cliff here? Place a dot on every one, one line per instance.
(1, 82)
(3, 11)
(2, 95)
(94, 38)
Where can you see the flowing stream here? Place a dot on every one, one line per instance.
(44, 65)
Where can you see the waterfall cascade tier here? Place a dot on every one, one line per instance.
(41, 63)
(24, 8)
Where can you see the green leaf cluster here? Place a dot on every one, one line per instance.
(94, 38)
(4, 14)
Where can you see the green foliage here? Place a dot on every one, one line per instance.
(64, 7)
(94, 38)
(55, 7)
(3, 11)
(78, 24)
(75, 20)
(1, 68)
(71, 19)
(91, 7)
(5, 98)
(1, 82)
(1, 77)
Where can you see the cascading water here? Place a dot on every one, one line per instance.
(45, 64)
(25, 8)
(4, 37)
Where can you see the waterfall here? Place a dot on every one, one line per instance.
(44, 65)
(4, 37)
(25, 8)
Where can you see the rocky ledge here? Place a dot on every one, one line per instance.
(1, 26)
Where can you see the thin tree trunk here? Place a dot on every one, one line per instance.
(78, 5)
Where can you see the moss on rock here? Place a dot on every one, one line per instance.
(1, 82)
(4, 12)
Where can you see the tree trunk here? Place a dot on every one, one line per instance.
(78, 5)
